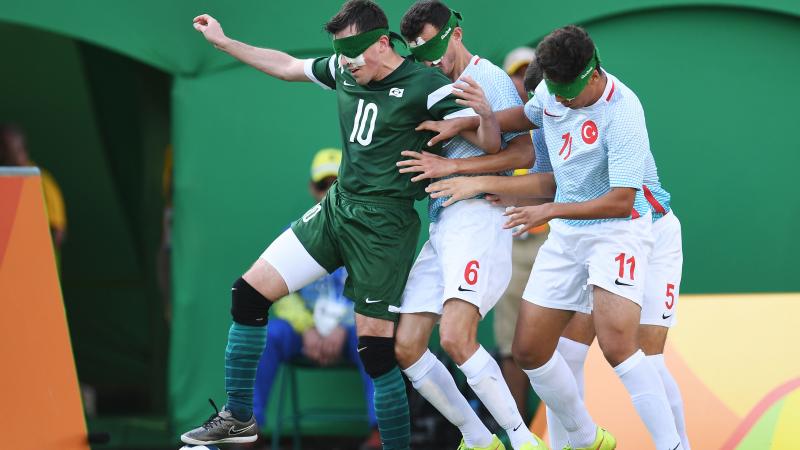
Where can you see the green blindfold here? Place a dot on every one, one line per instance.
(435, 48)
(354, 45)
(572, 89)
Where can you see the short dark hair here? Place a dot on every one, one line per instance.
(564, 53)
(533, 76)
(364, 14)
(433, 12)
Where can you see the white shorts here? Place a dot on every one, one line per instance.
(610, 255)
(467, 256)
(663, 284)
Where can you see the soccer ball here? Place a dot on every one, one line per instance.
(199, 447)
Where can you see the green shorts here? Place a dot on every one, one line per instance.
(374, 237)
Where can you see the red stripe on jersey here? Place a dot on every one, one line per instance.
(634, 214)
(610, 93)
(652, 200)
(548, 114)
(477, 59)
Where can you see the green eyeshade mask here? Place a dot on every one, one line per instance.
(435, 48)
(572, 89)
(354, 45)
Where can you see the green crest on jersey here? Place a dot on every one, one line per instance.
(354, 45)
(573, 89)
(435, 48)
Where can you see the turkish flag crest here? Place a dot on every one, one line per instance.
(589, 132)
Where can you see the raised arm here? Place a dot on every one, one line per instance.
(272, 62)
(487, 134)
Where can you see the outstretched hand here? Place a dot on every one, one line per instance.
(444, 129)
(210, 28)
(458, 188)
(471, 95)
(427, 164)
(527, 217)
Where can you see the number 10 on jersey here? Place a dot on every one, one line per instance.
(364, 114)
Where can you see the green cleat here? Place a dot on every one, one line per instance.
(603, 441)
(494, 445)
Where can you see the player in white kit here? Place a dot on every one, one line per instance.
(600, 235)
(465, 266)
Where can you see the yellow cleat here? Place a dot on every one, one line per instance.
(540, 445)
(495, 445)
(603, 441)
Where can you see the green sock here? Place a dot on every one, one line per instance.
(391, 409)
(245, 345)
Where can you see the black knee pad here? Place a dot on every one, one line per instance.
(377, 355)
(248, 306)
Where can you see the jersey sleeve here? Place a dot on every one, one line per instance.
(322, 71)
(542, 163)
(441, 101)
(627, 145)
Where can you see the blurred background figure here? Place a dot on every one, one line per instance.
(318, 322)
(14, 152)
(523, 252)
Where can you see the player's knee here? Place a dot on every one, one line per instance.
(377, 355)
(407, 352)
(458, 344)
(525, 356)
(248, 306)
(616, 350)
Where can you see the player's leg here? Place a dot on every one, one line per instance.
(475, 253)
(574, 347)
(617, 260)
(378, 237)
(284, 266)
(351, 354)
(421, 309)
(553, 294)
(284, 344)
(662, 292)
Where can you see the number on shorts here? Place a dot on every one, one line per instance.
(670, 296)
(471, 272)
(631, 262)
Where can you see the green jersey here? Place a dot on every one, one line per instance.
(377, 122)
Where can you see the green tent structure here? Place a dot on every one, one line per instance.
(102, 88)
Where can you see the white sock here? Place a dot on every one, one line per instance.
(484, 376)
(432, 380)
(555, 385)
(574, 354)
(673, 397)
(644, 385)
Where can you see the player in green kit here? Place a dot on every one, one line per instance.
(366, 222)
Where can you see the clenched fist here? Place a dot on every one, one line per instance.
(210, 28)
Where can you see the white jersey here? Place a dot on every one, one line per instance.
(596, 148)
(501, 94)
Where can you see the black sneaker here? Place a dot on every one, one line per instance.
(222, 428)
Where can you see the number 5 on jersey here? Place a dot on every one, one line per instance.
(364, 114)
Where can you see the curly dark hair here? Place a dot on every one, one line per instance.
(564, 53)
(433, 12)
(533, 76)
(364, 14)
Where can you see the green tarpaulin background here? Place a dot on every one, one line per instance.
(716, 82)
